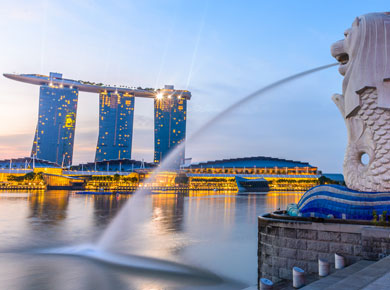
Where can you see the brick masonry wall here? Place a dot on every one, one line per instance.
(283, 244)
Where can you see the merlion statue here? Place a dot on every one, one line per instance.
(364, 57)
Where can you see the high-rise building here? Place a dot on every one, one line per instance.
(116, 115)
(54, 135)
(170, 114)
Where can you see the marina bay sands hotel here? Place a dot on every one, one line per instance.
(55, 131)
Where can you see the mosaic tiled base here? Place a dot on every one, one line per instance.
(340, 202)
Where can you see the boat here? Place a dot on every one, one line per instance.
(257, 186)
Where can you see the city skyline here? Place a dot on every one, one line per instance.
(218, 59)
(56, 128)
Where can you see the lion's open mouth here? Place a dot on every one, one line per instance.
(342, 58)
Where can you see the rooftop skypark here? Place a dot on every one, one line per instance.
(56, 80)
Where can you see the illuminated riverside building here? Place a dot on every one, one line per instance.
(111, 166)
(170, 116)
(128, 175)
(54, 137)
(116, 115)
(281, 174)
(18, 167)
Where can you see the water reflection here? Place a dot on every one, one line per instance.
(278, 200)
(168, 211)
(213, 231)
(48, 207)
(106, 207)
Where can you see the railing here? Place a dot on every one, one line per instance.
(253, 175)
(84, 172)
(15, 171)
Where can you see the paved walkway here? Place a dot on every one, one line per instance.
(365, 275)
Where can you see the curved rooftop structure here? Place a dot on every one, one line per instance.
(56, 80)
(121, 165)
(258, 161)
(26, 162)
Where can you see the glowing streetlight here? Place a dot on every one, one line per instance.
(159, 96)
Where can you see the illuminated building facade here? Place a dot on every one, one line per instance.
(54, 135)
(116, 115)
(260, 165)
(281, 174)
(170, 114)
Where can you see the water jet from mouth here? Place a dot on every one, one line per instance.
(138, 208)
(135, 211)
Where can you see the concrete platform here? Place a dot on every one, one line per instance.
(337, 276)
(381, 283)
(361, 275)
(285, 242)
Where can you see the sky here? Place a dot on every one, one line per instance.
(220, 50)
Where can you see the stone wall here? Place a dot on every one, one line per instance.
(284, 244)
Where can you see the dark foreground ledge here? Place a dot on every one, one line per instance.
(285, 242)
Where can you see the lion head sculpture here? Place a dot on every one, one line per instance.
(364, 57)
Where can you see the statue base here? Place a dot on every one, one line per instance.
(285, 242)
(335, 201)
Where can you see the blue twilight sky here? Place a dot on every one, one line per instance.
(220, 50)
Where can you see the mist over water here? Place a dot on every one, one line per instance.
(136, 211)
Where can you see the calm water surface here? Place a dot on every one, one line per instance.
(213, 232)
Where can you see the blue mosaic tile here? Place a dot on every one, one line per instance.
(336, 200)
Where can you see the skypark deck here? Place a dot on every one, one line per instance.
(84, 86)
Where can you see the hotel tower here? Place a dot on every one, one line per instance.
(55, 131)
(116, 115)
(170, 116)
